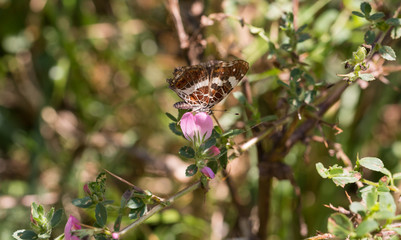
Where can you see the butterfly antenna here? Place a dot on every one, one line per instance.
(217, 121)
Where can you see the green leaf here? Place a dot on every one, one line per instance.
(372, 163)
(135, 203)
(366, 77)
(370, 197)
(213, 165)
(223, 160)
(369, 37)
(187, 152)
(376, 16)
(35, 211)
(209, 143)
(387, 53)
(56, 218)
(386, 201)
(358, 208)
(342, 180)
(397, 175)
(359, 55)
(25, 234)
(233, 132)
(83, 202)
(303, 37)
(191, 170)
(169, 115)
(117, 223)
(296, 73)
(366, 8)
(366, 226)
(339, 225)
(101, 214)
(358, 14)
(394, 22)
(321, 170)
(137, 213)
(175, 129)
(395, 33)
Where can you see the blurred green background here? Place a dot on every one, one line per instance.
(83, 87)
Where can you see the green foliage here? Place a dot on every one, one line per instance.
(377, 203)
(42, 223)
(83, 88)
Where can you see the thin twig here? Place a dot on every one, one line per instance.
(159, 207)
(175, 12)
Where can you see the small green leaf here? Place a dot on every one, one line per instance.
(233, 132)
(358, 14)
(358, 208)
(56, 218)
(376, 16)
(366, 8)
(397, 175)
(359, 55)
(339, 225)
(135, 203)
(83, 202)
(175, 129)
(366, 77)
(321, 170)
(369, 37)
(342, 180)
(303, 37)
(209, 143)
(101, 214)
(370, 198)
(117, 223)
(187, 152)
(137, 213)
(387, 53)
(395, 33)
(223, 160)
(296, 73)
(372, 163)
(25, 235)
(191, 170)
(366, 226)
(169, 115)
(394, 22)
(386, 201)
(213, 165)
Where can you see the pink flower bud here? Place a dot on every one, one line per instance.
(213, 151)
(208, 172)
(115, 235)
(196, 128)
(86, 189)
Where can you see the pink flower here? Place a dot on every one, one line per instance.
(115, 235)
(196, 128)
(72, 224)
(208, 172)
(213, 151)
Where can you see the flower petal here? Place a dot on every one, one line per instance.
(188, 126)
(72, 224)
(208, 172)
(205, 125)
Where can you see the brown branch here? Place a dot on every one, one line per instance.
(174, 8)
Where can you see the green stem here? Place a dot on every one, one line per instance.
(159, 207)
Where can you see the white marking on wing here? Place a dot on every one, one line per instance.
(217, 81)
(233, 81)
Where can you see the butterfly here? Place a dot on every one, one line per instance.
(203, 86)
